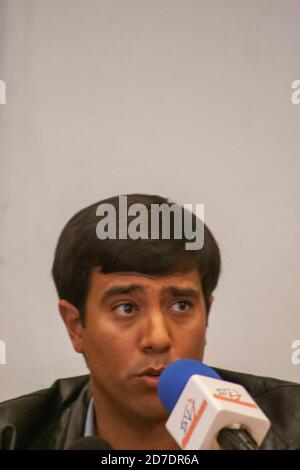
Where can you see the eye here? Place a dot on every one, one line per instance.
(124, 309)
(182, 306)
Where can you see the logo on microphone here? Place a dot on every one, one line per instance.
(190, 419)
(233, 396)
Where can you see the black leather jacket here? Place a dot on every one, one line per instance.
(54, 418)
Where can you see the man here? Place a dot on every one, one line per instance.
(132, 306)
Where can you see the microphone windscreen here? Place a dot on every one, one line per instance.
(175, 377)
(90, 443)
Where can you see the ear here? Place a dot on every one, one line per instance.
(71, 318)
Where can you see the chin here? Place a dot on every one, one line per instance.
(152, 409)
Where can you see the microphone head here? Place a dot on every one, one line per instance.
(175, 377)
(90, 443)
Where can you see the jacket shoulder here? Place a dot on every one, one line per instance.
(36, 411)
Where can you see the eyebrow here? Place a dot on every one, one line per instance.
(131, 288)
(120, 290)
(183, 292)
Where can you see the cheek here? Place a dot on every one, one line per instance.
(193, 339)
(106, 348)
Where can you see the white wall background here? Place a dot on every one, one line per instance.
(188, 99)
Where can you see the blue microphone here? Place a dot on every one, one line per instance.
(179, 390)
(175, 377)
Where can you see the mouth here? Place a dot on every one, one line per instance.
(150, 377)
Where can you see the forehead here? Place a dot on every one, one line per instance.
(100, 282)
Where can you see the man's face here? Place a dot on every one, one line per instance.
(135, 326)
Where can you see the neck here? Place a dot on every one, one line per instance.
(124, 432)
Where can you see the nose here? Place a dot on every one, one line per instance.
(155, 335)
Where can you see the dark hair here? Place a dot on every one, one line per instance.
(79, 250)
